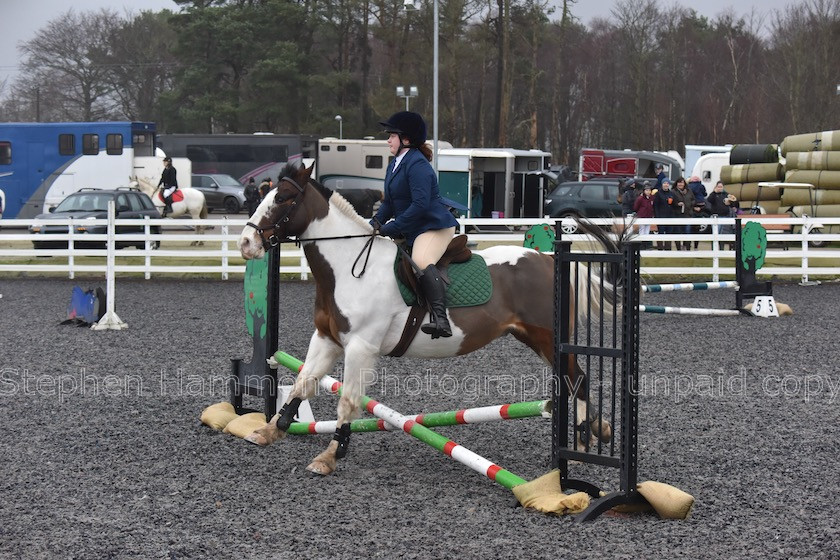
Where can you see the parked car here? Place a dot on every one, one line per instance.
(90, 204)
(222, 192)
(585, 199)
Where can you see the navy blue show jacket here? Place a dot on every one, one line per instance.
(412, 198)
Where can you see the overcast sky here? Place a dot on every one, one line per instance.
(21, 19)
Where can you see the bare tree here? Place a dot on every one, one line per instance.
(69, 59)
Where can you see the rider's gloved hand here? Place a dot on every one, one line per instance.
(374, 223)
(390, 229)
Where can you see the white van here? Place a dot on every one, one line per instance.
(708, 169)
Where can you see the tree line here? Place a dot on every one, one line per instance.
(513, 73)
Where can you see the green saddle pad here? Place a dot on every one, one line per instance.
(470, 284)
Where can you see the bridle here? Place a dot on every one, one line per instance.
(272, 240)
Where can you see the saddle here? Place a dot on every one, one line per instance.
(177, 196)
(472, 286)
(456, 252)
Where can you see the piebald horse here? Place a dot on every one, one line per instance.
(193, 202)
(361, 314)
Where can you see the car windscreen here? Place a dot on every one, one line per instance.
(227, 181)
(91, 202)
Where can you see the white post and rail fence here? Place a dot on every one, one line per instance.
(798, 248)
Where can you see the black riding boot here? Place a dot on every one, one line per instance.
(434, 291)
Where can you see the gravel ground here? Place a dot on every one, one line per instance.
(103, 455)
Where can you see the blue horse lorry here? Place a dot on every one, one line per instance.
(43, 163)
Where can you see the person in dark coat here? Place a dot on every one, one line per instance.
(413, 208)
(252, 196)
(699, 209)
(660, 176)
(265, 186)
(629, 193)
(724, 205)
(169, 182)
(683, 208)
(663, 207)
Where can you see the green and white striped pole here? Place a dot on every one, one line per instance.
(413, 428)
(512, 411)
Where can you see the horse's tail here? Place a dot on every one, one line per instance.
(596, 289)
(204, 211)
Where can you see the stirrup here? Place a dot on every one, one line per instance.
(436, 329)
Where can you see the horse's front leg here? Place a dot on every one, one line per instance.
(359, 359)
(320, 358)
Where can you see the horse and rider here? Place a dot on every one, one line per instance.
(169, 182)
(361, 315)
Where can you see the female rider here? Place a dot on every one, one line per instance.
(413, 200)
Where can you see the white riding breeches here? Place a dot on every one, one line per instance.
(430, 246)
(168, 191)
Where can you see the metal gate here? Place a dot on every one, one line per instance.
(596, 357)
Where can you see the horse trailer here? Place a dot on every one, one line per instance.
(42, 163)
(495, 182)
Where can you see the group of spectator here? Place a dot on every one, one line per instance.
(254, 194)
(688, 199)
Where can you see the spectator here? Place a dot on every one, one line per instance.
(643, 206)
(628, 196)
(683, 208)
(663, 208)
(699, 190)
(660, 176)
(724, 205)
(265, 186)
(252, 196)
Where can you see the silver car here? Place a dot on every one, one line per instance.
(222, 192)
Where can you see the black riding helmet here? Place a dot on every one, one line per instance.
(408, 125)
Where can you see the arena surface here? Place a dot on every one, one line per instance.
(103, 454)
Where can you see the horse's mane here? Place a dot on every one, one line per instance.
(347, 209)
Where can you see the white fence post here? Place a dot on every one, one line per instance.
(715, 248)
(224, 249)
(71, 229)
(110, 320)
(147, 261)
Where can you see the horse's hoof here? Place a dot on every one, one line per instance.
(320, 467)
(602, 432)
(258, 438)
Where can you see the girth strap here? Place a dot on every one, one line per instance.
(412, 327)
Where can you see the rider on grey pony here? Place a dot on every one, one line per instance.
(169, 181)
(413, 200)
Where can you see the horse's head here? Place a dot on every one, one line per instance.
(286, 211)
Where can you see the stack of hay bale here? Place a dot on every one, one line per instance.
(813, 158)
(750, 164)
